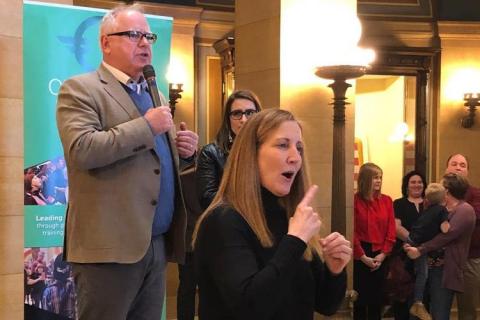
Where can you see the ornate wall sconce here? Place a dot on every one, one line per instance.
(174, 93)
(472, 101)
(177, 76)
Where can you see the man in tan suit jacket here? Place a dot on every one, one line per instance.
(117, 251)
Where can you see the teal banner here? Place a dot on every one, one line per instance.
(58, 42)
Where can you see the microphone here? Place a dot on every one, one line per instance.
(149, 75)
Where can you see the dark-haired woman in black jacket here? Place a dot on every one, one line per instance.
(240, 106)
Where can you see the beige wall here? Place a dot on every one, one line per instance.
(257, 49)
(379, 109)
(11, 159)
(182, 49)
(460, 73)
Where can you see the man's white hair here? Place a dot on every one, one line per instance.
(110, 18)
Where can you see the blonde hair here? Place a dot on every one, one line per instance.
(241, 188)
(365, 180)
(435, 193)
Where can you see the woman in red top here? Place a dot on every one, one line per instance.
(374, 237)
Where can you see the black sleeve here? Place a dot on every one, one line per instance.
(208, 176)
(251, 291)
(397, 209)
(330, 288)
(443, 214)
(28, 200)
(186, 163)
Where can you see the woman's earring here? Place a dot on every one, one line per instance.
(230, 139)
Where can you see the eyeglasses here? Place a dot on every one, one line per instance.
(238, 114)
(136, 36)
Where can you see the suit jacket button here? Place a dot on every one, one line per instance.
(153, 202)
(156, 171)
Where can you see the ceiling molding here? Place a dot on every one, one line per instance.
(412, 9)
(457, 30)
(215, 24)
(381, 33)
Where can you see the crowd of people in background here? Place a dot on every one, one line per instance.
(429, 238)
(48, 283)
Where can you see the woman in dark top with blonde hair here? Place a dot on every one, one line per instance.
(257, 249)
(240, 106)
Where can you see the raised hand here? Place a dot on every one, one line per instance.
(305, 223)
(337, 252)
(159, 119)
(186, 141)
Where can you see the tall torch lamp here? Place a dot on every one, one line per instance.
(339, 74)
(347, 62)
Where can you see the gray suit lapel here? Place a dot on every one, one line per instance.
(115, 90)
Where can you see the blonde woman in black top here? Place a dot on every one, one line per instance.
(257, 249)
